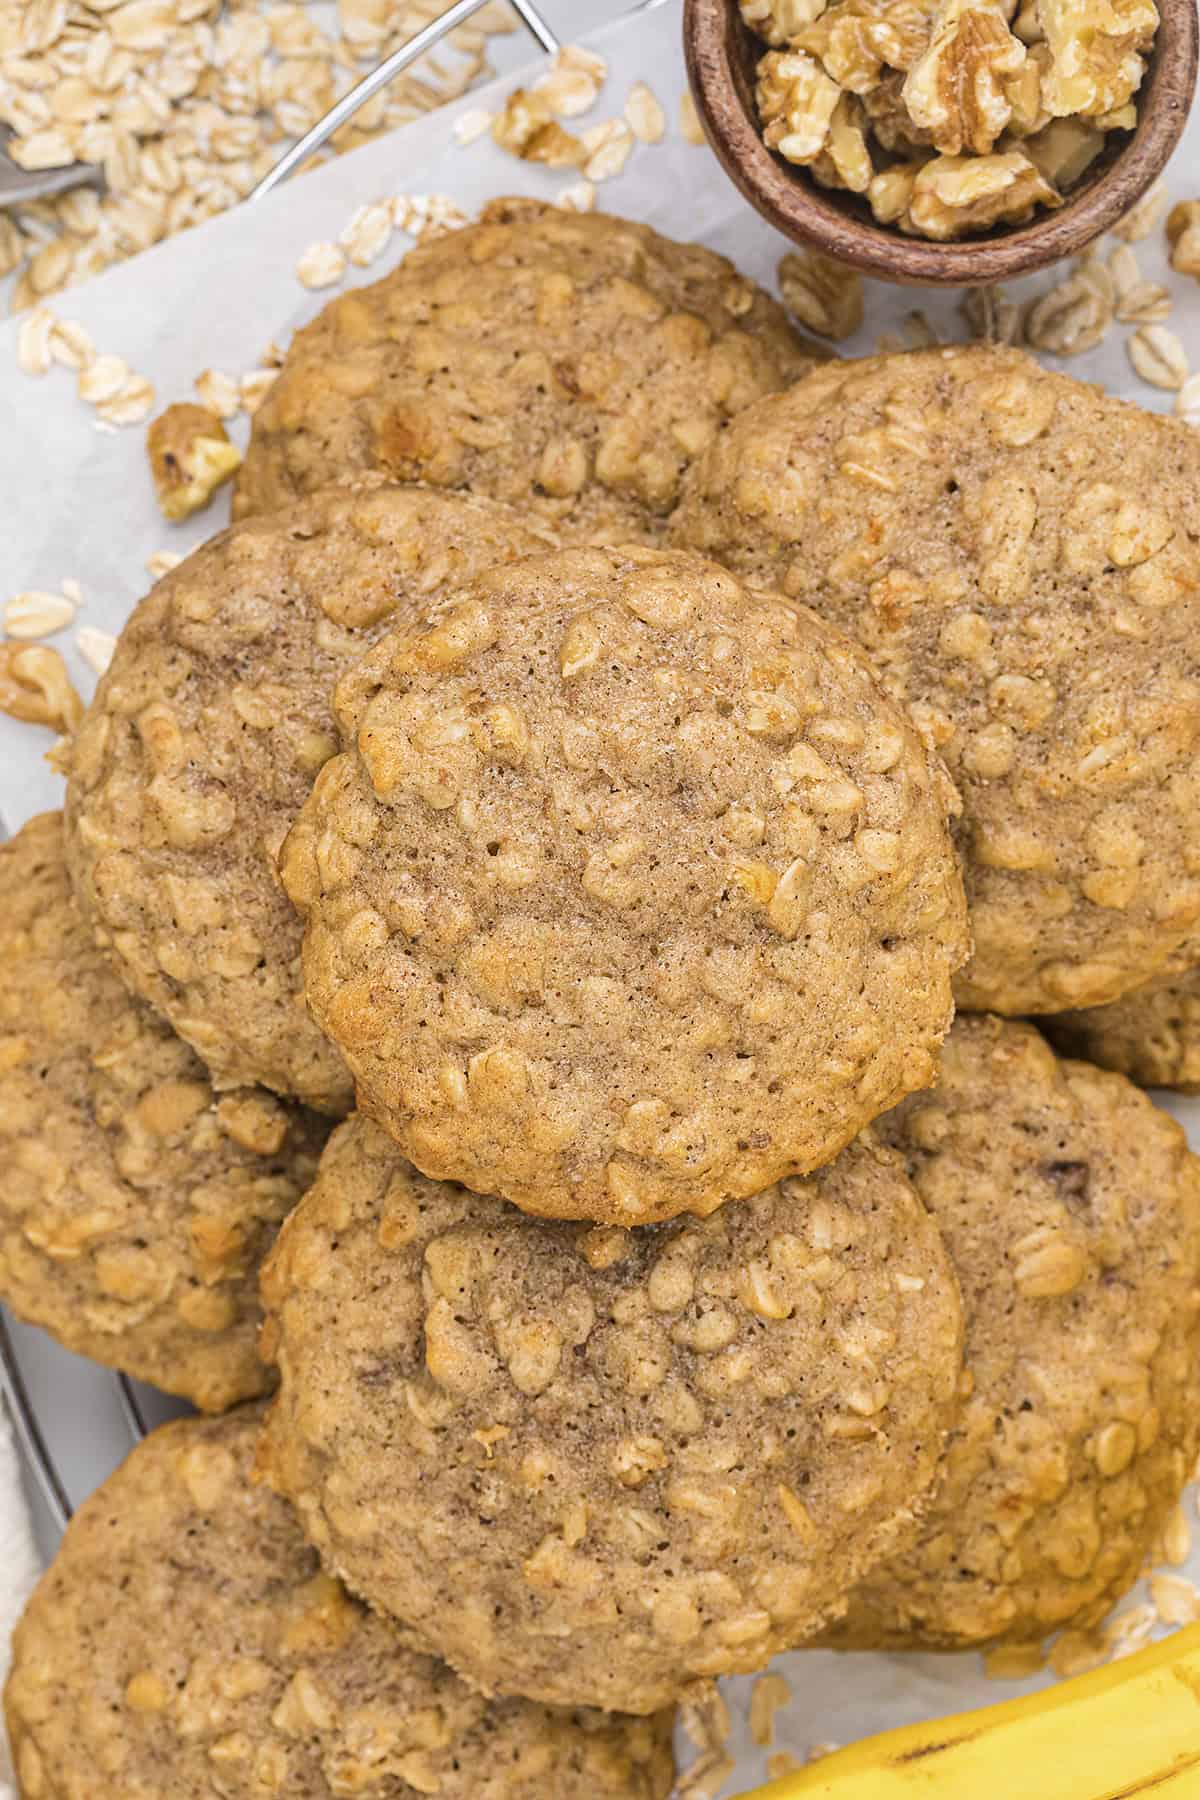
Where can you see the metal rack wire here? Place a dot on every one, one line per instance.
(33, 1442)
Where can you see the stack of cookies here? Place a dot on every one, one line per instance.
(514, 892)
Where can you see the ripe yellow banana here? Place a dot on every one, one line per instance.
(1130, 1731)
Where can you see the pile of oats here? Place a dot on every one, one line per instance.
(949, 116)
(186, 104)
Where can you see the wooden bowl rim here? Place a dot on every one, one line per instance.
(789, 199)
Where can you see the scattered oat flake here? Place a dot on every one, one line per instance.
(1176, 1600)
(769, 1693)
(472, 125)
(1159, 357)
(35, 614)
(255, 387)
(368, 232)
(783, 1763)
(1142, 219)
(71, 344)
(1187, 407)
(131, 405)
(95, 647)
(72, 589)
(1075, 1652)
(219, 392)
(1014, 1662)
(1145, 303)
(161, 562)
(103, 378)
(608, 146)
(33, 341)
(822, 1748)
(579, 197)
(322, 265)
(1129, 1630)
(706, 1777)
(644, 115)
(1177, 1538)
(689, 121)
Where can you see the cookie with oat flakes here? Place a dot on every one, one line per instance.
(631, 892)
(583, 1463)
(1021, 556)
(205, 735)
(1070, 1207)
(572, 364)
(135, 1205)
(185, 1641)
(1151, 1034)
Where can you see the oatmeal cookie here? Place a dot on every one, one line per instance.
(1152, 1034)
(205, 736)
(1020, 554)
(632, 892)
(185, 1642)
(1070, 1207)
(592, 1464)
(573, 363)
(135, 1206)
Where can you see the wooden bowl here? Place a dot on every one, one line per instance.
(722, 55)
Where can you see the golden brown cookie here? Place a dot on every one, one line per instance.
(1151, 1034)
(185, 1643)
(575, 364)
(1019, 553)
(1070, 1207)
(135, 1205)
(592, 1464)
(632, 892)
(204, 737)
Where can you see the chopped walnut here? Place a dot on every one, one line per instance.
(527, 127)
(957, 90)
(891, 192)
(1064, 150)
(1094, 46)
(35, 687)
(845, 162)
(780, 21)
(856, 40)
(954, 195)
(796, 101)
(190, 456)
(1183, 235)
(1030, 87)
(824, 295)
(1023, 91)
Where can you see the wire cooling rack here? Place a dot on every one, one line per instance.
(28, 1380)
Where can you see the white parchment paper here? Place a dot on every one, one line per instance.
(76, 501)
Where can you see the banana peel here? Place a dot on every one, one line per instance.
(1129, 1731)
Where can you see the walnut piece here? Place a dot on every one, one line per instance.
(1095, 66)
(1064, 150)
(190, 456)
(796, 102)
(35, 687)
(855, 40)
(933, 89)
(957, 91)
(527, 127)
(780, 21)
(1183, 235)
(954, 195)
